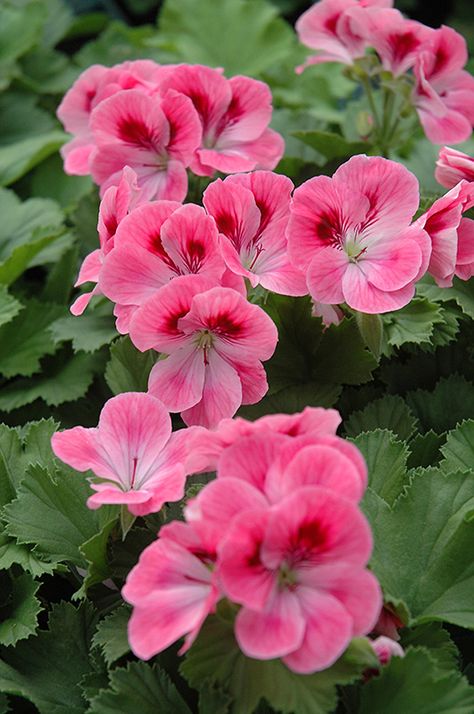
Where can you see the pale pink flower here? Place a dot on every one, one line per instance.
(156, 137)
(385, 649)
(235, 114)
(156, 243)
(398, 41)
(116, 203)
(136, 458)
(452, 236)
(336, 29)
(215, 340)
(298, 570)
(453, 166)
(444, 91)
(329, 314)
(352, 237)
(251, 212)
(172, 589)
(92, 86)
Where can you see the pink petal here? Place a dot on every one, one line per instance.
(77, 154)
(328, 632)
(249, 112)
(244, 578)
(325, 275)
(391, 189)
(234, 210)
(390, 265)
(275, 632)
(80, 449)
(221, 394)
(178, 380)
(272, 194)
(361, 295)
(155, 323)
(250, 459)
(185, 126)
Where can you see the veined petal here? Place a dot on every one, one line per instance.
(178, 380)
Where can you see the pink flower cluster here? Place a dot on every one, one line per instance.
(443, 92)
(161, 120)
(278, 533)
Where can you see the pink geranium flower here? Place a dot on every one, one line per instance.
(452, 236)
(116, 203)
(298, 570)
(352, 237)
(235, 114)
(215, 340)
(251, 212)
(156, 137)
(172, 589)
(385, 649)
(453, 166)
(336, 29)
(444, 92)
(137, 460)
(92, 86)
(156, 243)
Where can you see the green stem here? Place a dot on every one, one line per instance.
(370, 98)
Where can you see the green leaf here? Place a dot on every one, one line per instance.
(21, 118)
(9, 306)
(64, 381)
(19, 617)
(462, 293)
(26, 339)
(437, 640)
(88, 332)
(21, 220)
(61, 276)
(414, 685)
(128, 369)
(458, 451)
(19, 158)
(389, 412)
(414, 323)
(121, 43)
(20, 28)
(49, 181)
(306, 353)
(111, 635)
(94, 551)
(331, 145)
(216, 658)
(139, 687)
(50, 512)
(242, 36)
(23, 256)
(425, 449)
(46, 71)
(213, 700)
(431, 407)
(47, 669)
(12, 553)
(432, 523)
(371, 331)
(386, 462)
(293, 399)
(12, 463)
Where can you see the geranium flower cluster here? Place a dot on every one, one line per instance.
(432, 60)
(161, 120)
(278, 533)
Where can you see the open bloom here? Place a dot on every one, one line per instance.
(116, 203)
(452, 236)
(444, 91)
(251, 212)
(90, 88)
(234, 114)
(453, 166)
(172, 589)
(156, 243)
(335, 28)
(215, 340)
(298, 570)
(352, 237)
(138, 461)
(155, 137)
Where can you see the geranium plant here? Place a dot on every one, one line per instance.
(237, 457)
